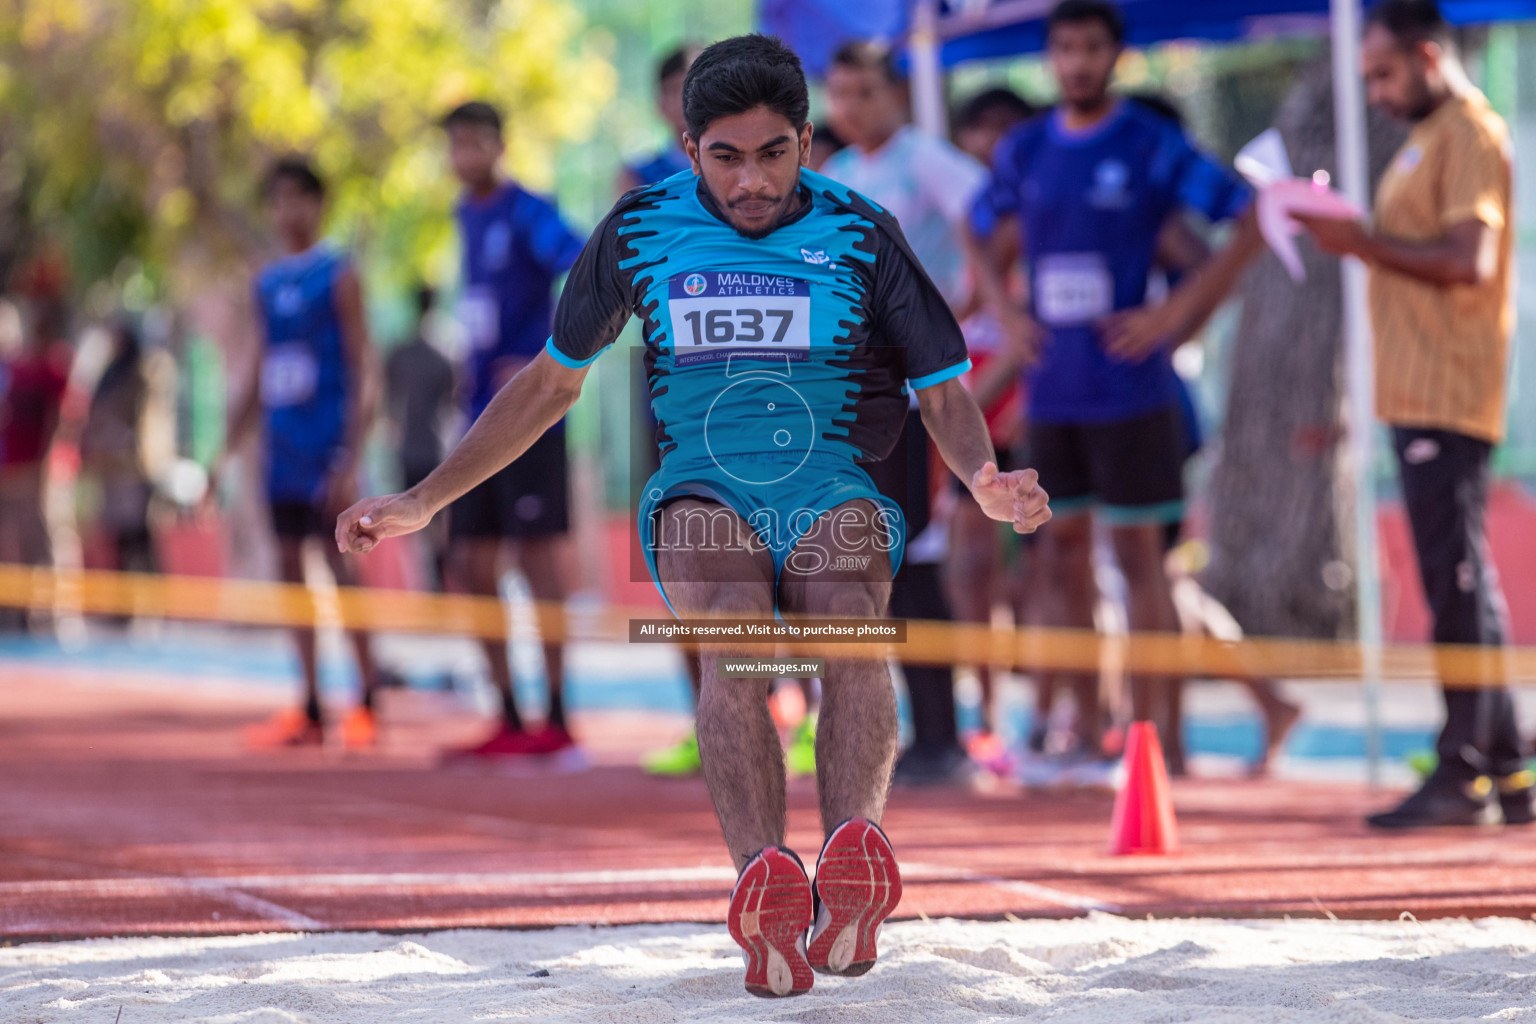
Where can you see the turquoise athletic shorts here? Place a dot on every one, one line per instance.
(780, 499)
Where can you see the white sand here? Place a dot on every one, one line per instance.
(1099, 969)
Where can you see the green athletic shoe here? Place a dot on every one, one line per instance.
(679, 760)
(800, 755)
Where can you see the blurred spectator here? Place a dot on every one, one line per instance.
(671, 159)
(977, 569)
(112, 450)
(515, 246)
(1086, 190)
(420, 384)
(36, 379)
(1440, 259)
(314, 390)
(927, 185)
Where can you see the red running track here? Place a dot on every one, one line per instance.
(130, 808)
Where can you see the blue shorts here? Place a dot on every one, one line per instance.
(780, 510)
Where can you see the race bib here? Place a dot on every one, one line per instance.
(481, 317)
(1072, 288)
(717, 315)
(288, 375)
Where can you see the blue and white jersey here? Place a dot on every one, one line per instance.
(304, 377)
(1091, 205)
(515, 245)
(779, 347)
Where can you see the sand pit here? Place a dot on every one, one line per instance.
(1098, 969)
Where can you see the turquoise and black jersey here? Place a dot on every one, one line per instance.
(799, 342)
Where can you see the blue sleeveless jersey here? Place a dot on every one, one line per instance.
(1091, 205)
(303, 372)
(795, 346)
(515, 245)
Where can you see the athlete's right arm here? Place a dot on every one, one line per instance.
(529, 404)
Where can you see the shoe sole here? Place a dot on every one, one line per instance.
(859, 886)
(770, 911)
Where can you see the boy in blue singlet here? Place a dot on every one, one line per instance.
(314, 390)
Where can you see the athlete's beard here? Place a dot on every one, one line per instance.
(752, 233)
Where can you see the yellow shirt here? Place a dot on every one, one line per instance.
(1442, 352)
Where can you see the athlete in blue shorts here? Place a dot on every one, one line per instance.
(784, 320)
(314, 390)
(1090, 185)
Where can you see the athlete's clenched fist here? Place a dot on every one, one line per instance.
(1015, 497)
(360, 528)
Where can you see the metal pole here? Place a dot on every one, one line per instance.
(1349, 130)
(927, 76)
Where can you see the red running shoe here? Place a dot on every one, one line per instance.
(857, 887)
(504, 742)
(770, 911)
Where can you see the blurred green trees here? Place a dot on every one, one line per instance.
(133, 133)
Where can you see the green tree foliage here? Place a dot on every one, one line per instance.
(136, 131)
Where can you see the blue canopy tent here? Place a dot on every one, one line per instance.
(942, 33)
(981, 29)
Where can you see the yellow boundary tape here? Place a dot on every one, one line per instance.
(257, 603)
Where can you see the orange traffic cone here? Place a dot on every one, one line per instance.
(1143, 821)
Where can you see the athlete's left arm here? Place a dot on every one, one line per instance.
(959, 430)
(360, 362)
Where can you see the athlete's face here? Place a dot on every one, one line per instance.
(295, 213)
(980, 139)
(864, 106)
(1082, 56)
(750, 163)
(474, 150)
(1397, 77)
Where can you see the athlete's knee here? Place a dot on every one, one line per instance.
(857, 599)
(1139, 552)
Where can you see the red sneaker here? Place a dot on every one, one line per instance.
(504, 742)
(770, 911)
(857, 887)
(552, 739)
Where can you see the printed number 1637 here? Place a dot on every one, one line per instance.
(717, 326)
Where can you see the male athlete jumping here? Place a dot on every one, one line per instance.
(784, 318)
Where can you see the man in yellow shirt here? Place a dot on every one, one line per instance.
(1439, 255)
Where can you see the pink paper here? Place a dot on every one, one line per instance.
(1280, 201)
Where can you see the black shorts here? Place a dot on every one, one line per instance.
(1132, 469)
(295, 520)
(528, 499)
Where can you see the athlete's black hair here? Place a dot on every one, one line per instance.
(1073, 12)
(735, 75)
(474, 114)
(990, 102)
(676, 62)
(296, 169)
(1412, 22)
(867, 54)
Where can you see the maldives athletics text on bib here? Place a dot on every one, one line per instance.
(720, 314)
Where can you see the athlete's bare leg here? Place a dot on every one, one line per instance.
(743, 761)
(1065, 559)
(344, 568)
(856, 734)
(970, 572)
(475, 565)
(542, 560)
(1149, 597)
(291, 566)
